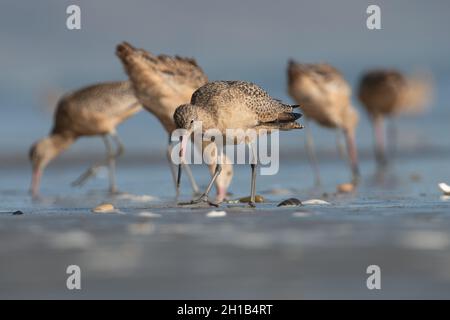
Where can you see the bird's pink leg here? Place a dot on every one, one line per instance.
(392, 138)
(311, 152)
(221, 194)
(378, 127)
(35, 182)
(352, 154)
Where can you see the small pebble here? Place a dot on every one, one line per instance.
(17, 213)
(345, 187)
(291, 202)
(104, 208)
(258, 199)
(216, 214)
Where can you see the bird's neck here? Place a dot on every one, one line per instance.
(61, 141)
(55, 144)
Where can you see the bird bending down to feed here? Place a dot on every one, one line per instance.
(91, 111)
(387, 93)
(325, 97)
(223, 105)
(162, 83)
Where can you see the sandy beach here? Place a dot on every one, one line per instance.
(152, 248)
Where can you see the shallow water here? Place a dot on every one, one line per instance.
(153, 248)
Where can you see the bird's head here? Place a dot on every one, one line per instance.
(185, 116)
(41, 153)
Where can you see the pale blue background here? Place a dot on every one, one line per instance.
(248, 40)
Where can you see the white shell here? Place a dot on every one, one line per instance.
(316, 201)
(444, 187)
(216, 214)
(148, 214)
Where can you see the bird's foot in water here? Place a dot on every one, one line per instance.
(196, 194)
(200, 202)
(251, 204)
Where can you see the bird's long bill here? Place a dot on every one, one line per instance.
(35, 182)
(183, 144)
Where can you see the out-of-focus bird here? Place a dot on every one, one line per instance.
(237, 105)
(90, 111)
(325, 97)
(162, 83)
(387, 93)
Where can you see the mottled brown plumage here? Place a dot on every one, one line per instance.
(221, 95)
(382, 92)
(325, 97)
(96, 109)
(323, 94)
(162, 83)
(387, 93)
(234, 105)
(90, 111)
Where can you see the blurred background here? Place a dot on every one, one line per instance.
(250, 40)
(40, 59)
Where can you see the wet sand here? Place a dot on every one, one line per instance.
(155, 249)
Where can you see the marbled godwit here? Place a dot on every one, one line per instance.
(162, 83)
(324, 96)
(91, 111)
(386, 93)
(223, 105)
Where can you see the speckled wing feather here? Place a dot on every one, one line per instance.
(247, 94)
(113, 98)
(159, 75)
(95, 109)
(323, 94)
(325, 76)
(181, 69)
(161, 83)
(381, 91)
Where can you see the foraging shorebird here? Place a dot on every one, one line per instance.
(223, 105)
(91, 111)
(324, 96)
(387, 93)
(162, 83)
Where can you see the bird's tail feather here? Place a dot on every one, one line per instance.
(140, 66)
(419, 93)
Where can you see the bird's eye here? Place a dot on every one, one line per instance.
(192, 121)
